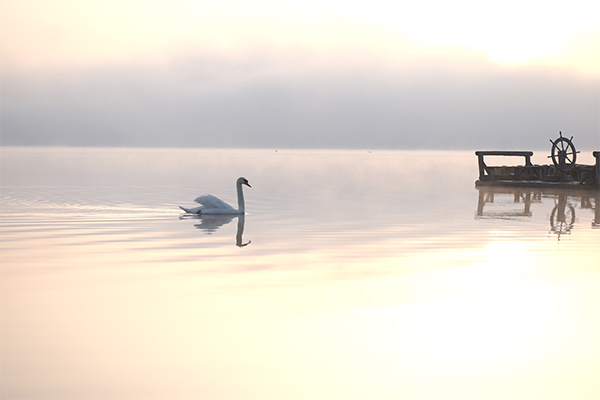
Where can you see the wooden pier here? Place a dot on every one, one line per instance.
(580, 176)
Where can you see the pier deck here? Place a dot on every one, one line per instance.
(528, 174)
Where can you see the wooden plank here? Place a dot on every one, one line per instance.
(504, 153)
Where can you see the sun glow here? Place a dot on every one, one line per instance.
(516, 32)
(46, 33)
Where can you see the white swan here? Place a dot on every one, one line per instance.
(215, 206)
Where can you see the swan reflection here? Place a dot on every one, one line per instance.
(210, 224)
(518, 203)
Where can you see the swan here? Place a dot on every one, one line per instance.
(215, 206)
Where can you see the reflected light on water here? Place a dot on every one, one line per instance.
(496, 316)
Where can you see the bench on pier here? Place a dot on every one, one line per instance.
(525, 172)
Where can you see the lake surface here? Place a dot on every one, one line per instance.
(353, 275)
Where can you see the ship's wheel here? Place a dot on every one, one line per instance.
(563, 153)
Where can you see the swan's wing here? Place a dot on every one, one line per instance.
(213, 205)
(210, 201)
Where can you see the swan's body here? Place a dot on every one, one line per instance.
(215, 206)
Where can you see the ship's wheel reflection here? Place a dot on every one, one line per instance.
(562, 217)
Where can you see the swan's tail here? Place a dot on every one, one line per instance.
(195, 210)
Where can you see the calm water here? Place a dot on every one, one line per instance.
(354, 275)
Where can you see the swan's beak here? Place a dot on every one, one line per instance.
(247, 184)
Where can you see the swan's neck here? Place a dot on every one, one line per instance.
(240, 195)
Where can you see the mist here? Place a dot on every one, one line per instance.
(301, 100)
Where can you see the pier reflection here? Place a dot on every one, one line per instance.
(518, 203)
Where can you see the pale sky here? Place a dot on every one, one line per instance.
(323, 73)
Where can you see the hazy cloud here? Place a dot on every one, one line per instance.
(302, 99)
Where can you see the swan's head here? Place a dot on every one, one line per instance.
(243, 181)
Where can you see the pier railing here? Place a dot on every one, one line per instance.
(487, 173)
